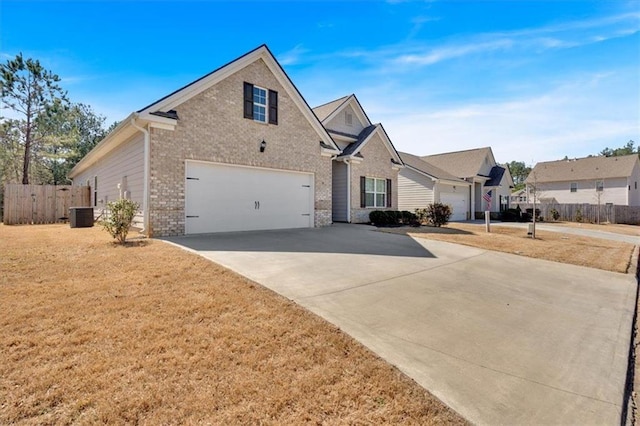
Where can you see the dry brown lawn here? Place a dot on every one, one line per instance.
(558, 247)
(615, 228)
(91, 332)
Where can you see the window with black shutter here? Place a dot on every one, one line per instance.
(260, 104)
(375, 192)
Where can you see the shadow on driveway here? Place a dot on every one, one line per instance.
(338, 238)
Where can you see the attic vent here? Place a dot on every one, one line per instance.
(348, 118)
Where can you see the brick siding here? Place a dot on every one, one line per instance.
(212, 128)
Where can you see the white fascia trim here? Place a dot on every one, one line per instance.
(324, 152)
(454, 182)
(199, 86)
(343, 137)
(262, 53)
(351, 100)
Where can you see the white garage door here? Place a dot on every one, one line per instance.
(223, 198)
(458, 203)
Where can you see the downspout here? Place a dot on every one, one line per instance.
(145, 191)
(349, 191)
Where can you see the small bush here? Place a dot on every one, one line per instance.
(378, 218)
(421, 215)
(118, 222)
(579, 217)
(392, 218)
(510, 215)
(438, 214)
(555, 215)
(409, 218)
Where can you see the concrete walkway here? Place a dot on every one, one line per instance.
(586, 232)
(501, 339)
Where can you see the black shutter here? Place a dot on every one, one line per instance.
(248, 100)
(273, 107)
(389, 193)
(363, 192)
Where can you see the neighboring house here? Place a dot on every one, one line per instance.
(491, 183)
(365, 174)
(421, 183)
(591, 180)
(238, 149)
(519, 196)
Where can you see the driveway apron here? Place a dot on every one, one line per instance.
(500, 338)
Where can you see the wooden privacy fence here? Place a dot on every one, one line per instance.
(592, 213)
(38, 204)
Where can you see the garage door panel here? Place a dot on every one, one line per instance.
(457, 202)
(222, 198)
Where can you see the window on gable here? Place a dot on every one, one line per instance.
(599, 185)
(374, 192)
(260, 104)
(574, 187)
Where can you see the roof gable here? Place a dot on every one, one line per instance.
(583, 169)
(418, 164)
(332, 110)
(324, 110)
(365, 136)
(464, 164)
(263, 53)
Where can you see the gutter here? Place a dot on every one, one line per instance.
(145, 192)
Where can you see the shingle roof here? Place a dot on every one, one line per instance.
(364, 134)
(325, 110)
(583, 168)
(418, 163)
(495, 176)
(463, 164)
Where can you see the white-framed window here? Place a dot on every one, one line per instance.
(260, 104)
(375, 192)
(599, 185)
(260, 109)
(574, 187)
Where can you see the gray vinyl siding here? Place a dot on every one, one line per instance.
(415, 191)
(338, 122)
(125, 166)
(339, 191)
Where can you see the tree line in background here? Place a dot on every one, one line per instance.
(46, 134)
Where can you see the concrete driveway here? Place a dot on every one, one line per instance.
(501, 339)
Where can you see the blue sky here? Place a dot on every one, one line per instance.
(534, 80)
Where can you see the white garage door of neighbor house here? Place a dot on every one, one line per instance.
(223, 198)
(458, 203)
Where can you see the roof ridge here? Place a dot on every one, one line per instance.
(462, 150)
(330, 102)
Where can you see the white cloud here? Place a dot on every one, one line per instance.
(577, 118)
(292, 56)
